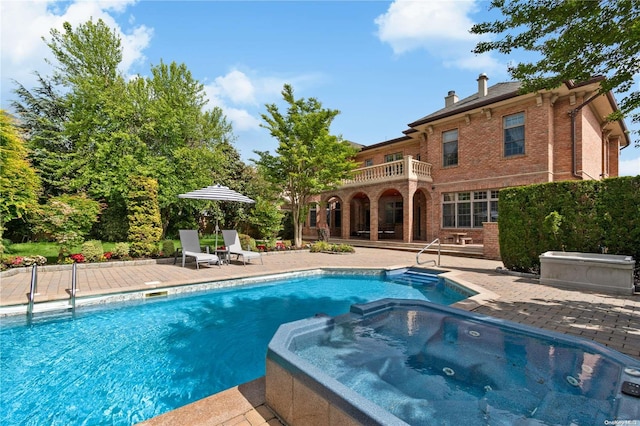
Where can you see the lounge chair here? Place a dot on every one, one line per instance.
(232, 242)
(191, 247)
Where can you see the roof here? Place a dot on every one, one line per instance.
(495, 93)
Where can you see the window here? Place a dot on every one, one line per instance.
(469, 209)
(450, 148)
(393, 157)
(449, 210)
(464, 210)
(313, 218)
(513, 134)
(368, 162)
(334, 220)
(393, 212)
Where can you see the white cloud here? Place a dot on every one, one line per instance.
(242, 120)
(242, 94)
(24, 23)
(237, 86)
(629, 167)
(439, 27)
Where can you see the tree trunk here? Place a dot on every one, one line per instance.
(297, 226)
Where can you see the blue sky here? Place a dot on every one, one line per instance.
(382, 64)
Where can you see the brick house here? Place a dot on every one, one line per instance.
(443, 176)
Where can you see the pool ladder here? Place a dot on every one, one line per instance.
(34, 289)
(437, 240)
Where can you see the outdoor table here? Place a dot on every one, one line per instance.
(458, 236)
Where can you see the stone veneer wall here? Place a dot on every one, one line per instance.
(491, 240)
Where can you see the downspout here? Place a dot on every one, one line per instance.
(573, 113)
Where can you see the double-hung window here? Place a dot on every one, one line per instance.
(450, 148)
(513, 134)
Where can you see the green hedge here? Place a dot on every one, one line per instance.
(584, 216)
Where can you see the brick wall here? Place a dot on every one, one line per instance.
(491, 240)
(482, 164)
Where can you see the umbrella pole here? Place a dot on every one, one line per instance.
(217, 230)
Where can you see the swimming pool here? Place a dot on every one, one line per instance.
(399, 362)
(126, 362)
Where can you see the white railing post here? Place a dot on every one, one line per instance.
(408, 166)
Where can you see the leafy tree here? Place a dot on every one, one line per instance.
(67, 219)
(18, 180)
(89, 129)
(576, 40)
(309, 159)
(267, 217)
(43, 113)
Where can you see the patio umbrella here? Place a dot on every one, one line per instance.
(217, 193)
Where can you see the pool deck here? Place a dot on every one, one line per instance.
(608, 319)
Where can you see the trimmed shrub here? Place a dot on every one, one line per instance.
(247, 242)
(168, 248)
(582, 216)
(121, 250)
(145, 226)
(92, 251)
(323, 246)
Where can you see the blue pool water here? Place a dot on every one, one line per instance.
(432, 365)
(124, 363)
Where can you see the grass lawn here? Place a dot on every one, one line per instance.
(50, 249)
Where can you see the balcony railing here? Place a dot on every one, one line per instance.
(407, 168)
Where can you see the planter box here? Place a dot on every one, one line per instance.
(604, 273)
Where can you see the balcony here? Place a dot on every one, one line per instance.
(405, 169)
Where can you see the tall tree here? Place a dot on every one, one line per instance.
(576, 40)
(43, 113)
(90, 129)
(18, 180)
(309, 159)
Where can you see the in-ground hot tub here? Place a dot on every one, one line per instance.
(396, 362)
(606, 273)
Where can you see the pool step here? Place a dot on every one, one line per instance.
(416, 278)
(43, 307)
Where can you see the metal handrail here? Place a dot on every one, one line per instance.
(424, 249)
(74, 286)
(33, 289)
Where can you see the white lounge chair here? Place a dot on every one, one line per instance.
(191, 247)
(232, 242)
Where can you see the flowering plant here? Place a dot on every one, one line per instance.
(77, 258)
(107, 255)
(18, 261)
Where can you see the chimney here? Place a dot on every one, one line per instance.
(450, 99)
(482, 85)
